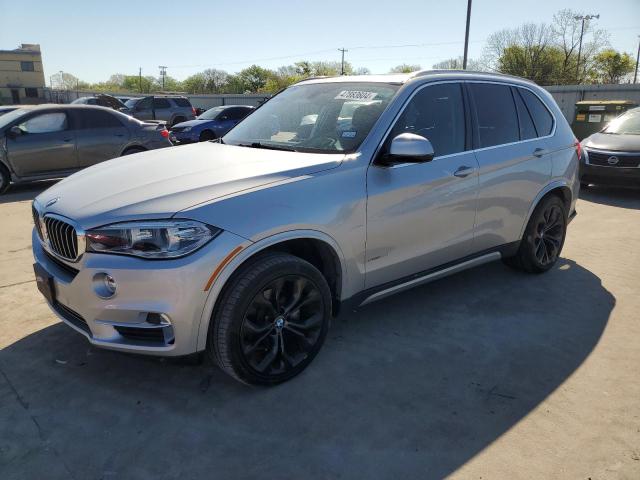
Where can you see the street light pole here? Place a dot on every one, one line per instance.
(466, 36)
(635, 75)
(583, 18)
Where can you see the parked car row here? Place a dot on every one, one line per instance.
(54, 141)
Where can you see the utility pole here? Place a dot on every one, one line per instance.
(466, 36)
(140, 79)
(163, 73)
(342, 68)
(583, 18)
(635, 75)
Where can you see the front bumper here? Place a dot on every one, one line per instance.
(614, 176)
(172, 291)
(184, 137)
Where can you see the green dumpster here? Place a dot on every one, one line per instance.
(593, 115)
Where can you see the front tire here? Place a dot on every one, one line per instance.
(271, 320)
(543, 238)
(207, 135)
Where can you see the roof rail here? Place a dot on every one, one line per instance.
(422, 73)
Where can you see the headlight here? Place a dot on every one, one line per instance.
(186, 129)
(151, 238)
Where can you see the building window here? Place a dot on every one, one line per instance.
(26, 66)
(31, 92)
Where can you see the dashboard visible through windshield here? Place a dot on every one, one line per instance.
(317, 117)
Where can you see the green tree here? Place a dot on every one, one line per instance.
(405, 68)
(196, 83)
(543, 65)
(254, 78)
(611, 66)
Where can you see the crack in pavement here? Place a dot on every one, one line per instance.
(25, 405)
(17, 283)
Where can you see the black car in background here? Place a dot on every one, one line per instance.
(102, 100)
(612, 156)
(53, 141)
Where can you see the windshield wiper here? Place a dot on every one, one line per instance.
(267, 146)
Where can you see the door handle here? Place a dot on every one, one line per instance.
(119, 134)
(539, 152)
(67, 140)
(463, 171)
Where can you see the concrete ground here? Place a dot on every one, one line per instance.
(491, 374)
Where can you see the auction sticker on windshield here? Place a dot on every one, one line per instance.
(355, 95)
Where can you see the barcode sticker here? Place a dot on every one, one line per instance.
(355, 95)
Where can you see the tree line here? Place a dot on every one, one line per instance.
(547, 53)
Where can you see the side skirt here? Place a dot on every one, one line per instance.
(382, 291)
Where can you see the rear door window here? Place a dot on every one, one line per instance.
(160, 103)
(96, 119)
(496, 119)
(541, 115)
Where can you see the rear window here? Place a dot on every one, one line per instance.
(541, 116)
(182, 102)
(497, 122)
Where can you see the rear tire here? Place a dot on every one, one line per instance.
(271, 320)
(207, 135)
(5, 179)
(543, 238)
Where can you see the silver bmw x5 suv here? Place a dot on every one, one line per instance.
(336, 191)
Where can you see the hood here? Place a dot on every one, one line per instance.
(192, 123)
(608, 141)
(159, 183)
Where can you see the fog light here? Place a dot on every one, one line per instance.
(104, 285)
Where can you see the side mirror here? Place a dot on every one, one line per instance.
(409, 147)
(14, 132)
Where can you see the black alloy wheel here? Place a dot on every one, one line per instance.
(549, 235)
(271, 319)
(282, 325)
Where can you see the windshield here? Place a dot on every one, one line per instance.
(7, 118)
(626, 124)
(211, 113)
(317, 117)
(132, 102)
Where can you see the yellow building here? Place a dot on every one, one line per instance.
(21, 75)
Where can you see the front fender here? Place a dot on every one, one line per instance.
(248, 250)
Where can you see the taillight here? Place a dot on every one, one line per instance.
(164, 133)
(194, 111)
(578, 149)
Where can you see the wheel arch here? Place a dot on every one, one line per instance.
(559, 188)
(316, 247)
(133, 146)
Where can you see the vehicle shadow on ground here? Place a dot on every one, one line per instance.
(412, 386)
(27, 191)
(613, 196)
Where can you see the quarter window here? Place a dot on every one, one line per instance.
(497, 122)
(45, 123)
(97, 119)
(182, 102)
(437, 113)
(541, 116)
(527, 129)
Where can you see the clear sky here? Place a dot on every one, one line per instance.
(93, 40)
